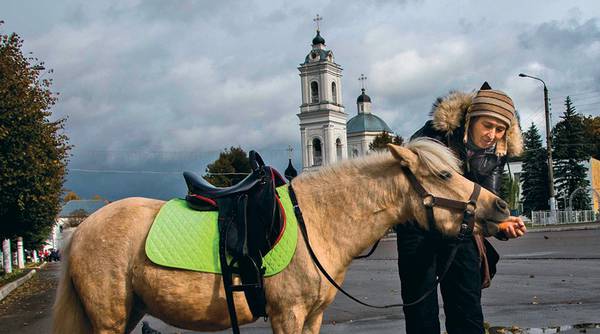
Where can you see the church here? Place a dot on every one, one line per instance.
(327, 136)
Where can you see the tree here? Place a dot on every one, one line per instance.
(509, 190)
(71, 196)
(230, 168)
(33, 149)
(591, 129)
(75, 218)
(381, 140)
(570, 151)
(534, 178)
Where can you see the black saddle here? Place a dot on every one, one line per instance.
(251, 219)
(199, 186)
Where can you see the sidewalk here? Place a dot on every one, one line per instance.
(28, 309)
(8, 287)
(564, 227)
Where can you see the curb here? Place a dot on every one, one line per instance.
(8, 288)
(566, 227)
(593, 226)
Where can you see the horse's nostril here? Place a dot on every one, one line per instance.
(501, 204)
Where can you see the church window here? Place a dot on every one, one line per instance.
(314, 92)
(317, 152)
(338, 149)
(334, 92)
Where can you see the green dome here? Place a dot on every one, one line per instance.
(318, 39)
(362, 98)
(366, 123)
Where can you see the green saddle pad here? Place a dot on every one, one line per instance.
(187, 239)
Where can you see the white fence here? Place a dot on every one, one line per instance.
(564, 217)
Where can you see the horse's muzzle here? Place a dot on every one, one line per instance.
(498, 212)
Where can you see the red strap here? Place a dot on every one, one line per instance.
(206, 199)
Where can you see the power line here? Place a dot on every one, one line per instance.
(119, 171)
(593, 91)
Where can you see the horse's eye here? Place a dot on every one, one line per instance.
(445, 175)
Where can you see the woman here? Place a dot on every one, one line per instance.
(482, 130)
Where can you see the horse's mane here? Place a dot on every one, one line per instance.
(433, 154)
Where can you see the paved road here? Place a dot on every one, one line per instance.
(27, 309)
(544, 279)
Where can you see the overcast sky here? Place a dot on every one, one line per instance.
(163, 86)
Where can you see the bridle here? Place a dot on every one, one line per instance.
(429, 201)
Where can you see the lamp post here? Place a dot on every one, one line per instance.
(548, 142)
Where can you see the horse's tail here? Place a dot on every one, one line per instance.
(69, 315)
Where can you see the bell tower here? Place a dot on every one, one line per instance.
(322, 116)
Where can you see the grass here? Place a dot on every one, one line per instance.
(15, 275)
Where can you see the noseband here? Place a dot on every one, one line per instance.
(430, 201)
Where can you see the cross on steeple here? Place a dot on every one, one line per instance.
(362, 80)
(317, 20)
(290, 149)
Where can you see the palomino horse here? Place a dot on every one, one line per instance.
(108, 283)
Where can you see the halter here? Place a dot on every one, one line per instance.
(429, 201)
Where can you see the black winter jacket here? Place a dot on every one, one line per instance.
(483, 167)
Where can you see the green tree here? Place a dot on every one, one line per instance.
(570, 151)
(509, 190)
(230, 168)
(33, 149)
(591, 127)
(381, 140)
(534, 178)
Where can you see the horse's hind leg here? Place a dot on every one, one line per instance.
(313, 324)
(109, 314)
(289, 321)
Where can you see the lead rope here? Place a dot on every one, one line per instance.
(302, 225)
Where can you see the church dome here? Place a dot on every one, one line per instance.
(318, 39)
(363, 97)
(366, 123)
(290, 171)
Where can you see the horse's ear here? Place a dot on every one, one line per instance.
(405, 156)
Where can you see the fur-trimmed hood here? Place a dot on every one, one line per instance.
(448, 115)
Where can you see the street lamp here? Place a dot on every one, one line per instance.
(548, 141)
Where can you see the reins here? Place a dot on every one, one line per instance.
(429, 201)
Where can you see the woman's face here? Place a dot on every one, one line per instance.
(486, 131)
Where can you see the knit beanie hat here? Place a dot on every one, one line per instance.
(493, 103)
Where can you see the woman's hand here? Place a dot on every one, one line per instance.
(513, 227)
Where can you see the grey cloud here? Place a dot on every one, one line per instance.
(561, 35)
(164, 86)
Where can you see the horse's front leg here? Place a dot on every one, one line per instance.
(312, 325)
(289, 321)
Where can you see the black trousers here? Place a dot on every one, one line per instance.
(421, 257)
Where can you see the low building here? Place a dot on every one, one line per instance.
(71, 215)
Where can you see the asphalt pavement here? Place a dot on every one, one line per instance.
(546, 281)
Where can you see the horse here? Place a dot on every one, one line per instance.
(108, 284)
